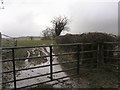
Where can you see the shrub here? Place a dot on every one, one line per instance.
(91, 37)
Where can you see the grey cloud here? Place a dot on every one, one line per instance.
(23, 25)
(95, 17)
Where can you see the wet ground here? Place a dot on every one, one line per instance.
(61, 83)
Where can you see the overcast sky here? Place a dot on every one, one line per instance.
(30, 17)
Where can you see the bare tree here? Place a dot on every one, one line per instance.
(48, 33)
(59, 24)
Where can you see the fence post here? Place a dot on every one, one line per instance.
(0, 61)
(100, 54)
(93, 56)
(15, 42)
(82, 54)
(14, 72)
(78, 58)
(51, 69)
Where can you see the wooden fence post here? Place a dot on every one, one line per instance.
(100, 54)
(82, 54)
(93, 56)
(78, 58)
(0, 61)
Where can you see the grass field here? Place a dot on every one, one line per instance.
(34, 42)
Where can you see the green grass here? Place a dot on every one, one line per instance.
(34, 42)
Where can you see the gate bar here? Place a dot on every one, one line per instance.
(14, 72)
(51, 68)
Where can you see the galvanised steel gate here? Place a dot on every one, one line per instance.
(79, 52)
